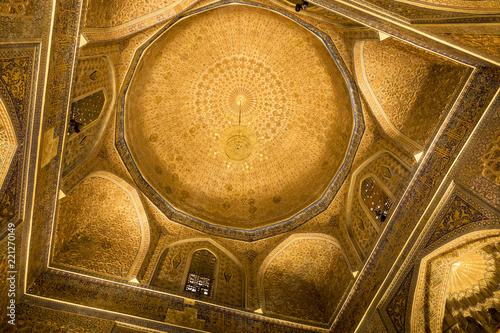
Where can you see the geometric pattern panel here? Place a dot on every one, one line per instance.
(458, 214)
(458, 220)
(396, 309)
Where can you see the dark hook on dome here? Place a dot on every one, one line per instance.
(302, 5)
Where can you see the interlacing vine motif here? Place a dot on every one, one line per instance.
(16, 7)
(491, 161)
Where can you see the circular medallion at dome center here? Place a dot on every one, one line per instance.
(243, 87)
(226, 121)
(239, 144)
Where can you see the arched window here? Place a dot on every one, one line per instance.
(86, 110)
(201, 276)
(377, 201)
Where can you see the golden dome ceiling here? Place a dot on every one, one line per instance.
(238, 116)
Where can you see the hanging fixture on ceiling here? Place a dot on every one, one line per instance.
(239, 143)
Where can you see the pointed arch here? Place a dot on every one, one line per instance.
(361, 226)
(172, 267)
(115, 243)
(306, 274)
(8, 142)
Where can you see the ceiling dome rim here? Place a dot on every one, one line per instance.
(273, 228)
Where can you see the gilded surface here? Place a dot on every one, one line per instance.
(153, 305)
(173, 264)
(16, 75)
(319, 14)
(363, 229)
(56, 101)
(376, 325)
(94, 293)
(442, 279)
(7, 143)
(22, 18)
(16, 7)
(459, 214)
(480, 90)
(97, 228)
(9, 195)
(478, 6)
(404, 11)
(474, 167)
(91, 74)
(307, 280)
(265, 189)
(115, 19)
(42, 320)
(111, 13)
(15, 80)
(489, 44)
(397, 307)
(458, 222)
(491, 161)
(405, 80)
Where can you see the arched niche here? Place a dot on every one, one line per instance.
(102, 228)
(457, 284)
(92, 101)
(400, 82)
(8, 142)
(172, 271)
(389, 174)
(304, 277)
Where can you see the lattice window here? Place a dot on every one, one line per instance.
(86, 110)
(375, 199)
(200, 279)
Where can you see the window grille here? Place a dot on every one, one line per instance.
(200, 279)
(375, 199)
